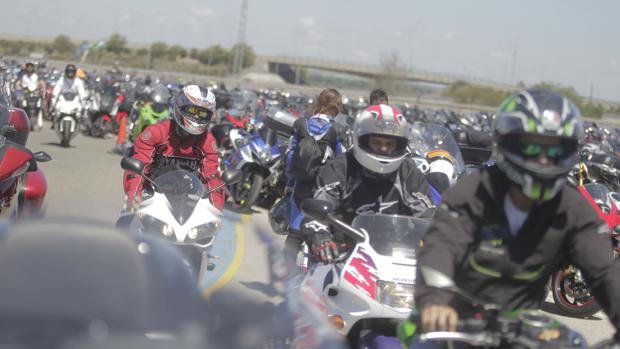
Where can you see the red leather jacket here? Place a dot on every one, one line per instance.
(162, 139)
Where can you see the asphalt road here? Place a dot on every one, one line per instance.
(85, 181)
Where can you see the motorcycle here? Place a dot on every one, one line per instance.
(31, 103)
(178, 209)
(22, 184)
(493, 328)
(570, 292)
(369, 289)
(262, 166)
(104, 119)
(66, 123)
(436, 153)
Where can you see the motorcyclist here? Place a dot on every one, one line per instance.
(30, 80)
(69, 82)
(181, 142)
(153, 111)
(502, 232)
(374, 177)
(320, 124)
(378, 96)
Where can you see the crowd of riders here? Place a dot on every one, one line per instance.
(498, 231)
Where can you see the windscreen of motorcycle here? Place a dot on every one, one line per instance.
(390, 234)
(426, 138)
(183, 190)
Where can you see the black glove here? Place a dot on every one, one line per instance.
(324, 248)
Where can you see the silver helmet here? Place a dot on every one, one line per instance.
(388, 122)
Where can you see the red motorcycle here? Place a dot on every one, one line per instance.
(22, 185)
(570, 292)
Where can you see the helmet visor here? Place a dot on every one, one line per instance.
(196, 114)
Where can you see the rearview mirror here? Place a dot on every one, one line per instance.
(317, 209)
(232, 176)
(42, 156)
(132, 165)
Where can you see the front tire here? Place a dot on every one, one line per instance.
(570, 296)
(66, 134)
(250, 189)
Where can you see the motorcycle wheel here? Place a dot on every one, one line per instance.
(255, 183)
(34, 122)
(562, 282)
(66, 134)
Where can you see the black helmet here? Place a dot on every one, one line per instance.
(279, 215)
(70, 71)
(531, 123)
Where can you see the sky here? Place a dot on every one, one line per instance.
(572, 42)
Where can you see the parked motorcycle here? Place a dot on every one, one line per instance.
(31, 103)
(66, 123)
(369, 289)
(102, 120)
(177, 208)
(570, 292)
(437, 155)
(262, 166)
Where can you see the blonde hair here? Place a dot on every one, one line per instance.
(329, 102)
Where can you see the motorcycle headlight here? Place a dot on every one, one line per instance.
(394, 295)
(204, 234)
(20, 171)
(154, 226)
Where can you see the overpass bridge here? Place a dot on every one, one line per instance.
(290, 69)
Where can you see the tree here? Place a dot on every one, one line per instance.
(214, 55)
(248, 55)
(142, 52)
(193, 53)
(159, 49)
(62, 44)
(116, 43)
(176, 51)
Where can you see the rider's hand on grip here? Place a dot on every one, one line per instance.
(438, 317)
(324, 248)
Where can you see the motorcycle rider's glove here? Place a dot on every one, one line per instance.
(324, 248)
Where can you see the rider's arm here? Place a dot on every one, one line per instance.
(448, 238)
(144, 148)
(331, 181)
(290, 180)
(211, 172)
(57, 89)
(592, 252)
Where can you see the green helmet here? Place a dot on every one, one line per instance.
(554, 119)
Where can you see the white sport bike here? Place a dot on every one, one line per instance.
(67, 111)
(368, 290)
(178, 209)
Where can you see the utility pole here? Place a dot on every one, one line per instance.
(514, 60)
(239, 52)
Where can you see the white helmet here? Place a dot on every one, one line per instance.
(193, 108)
(381, 120)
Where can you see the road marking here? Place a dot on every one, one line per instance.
(236, 261)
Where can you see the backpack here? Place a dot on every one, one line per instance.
(311, 153)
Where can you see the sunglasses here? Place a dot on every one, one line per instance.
(197, 112)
